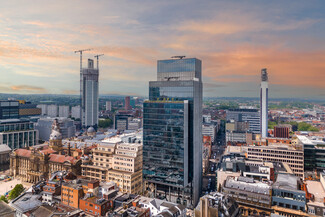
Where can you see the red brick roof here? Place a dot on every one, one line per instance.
(47, 151)
(23, 152)
(61, 158)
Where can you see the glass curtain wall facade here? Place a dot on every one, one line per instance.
(172, 130)
(89, 102)
(9, 109)
(18, 133)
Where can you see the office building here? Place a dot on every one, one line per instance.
(209, 129)
(43, 108)
(9, 109)
(27, 109)
(264, 100)
(287, 196)
(134, 124)
(252, 116)
(253, 197)
(89, 99)
(64, 111)
(172, 131)
(116, 161)
(108, 106)
(314, 152)
(52, 111)
(279, 153)
(121, 121)
(236, 131)
(281, 132)
(127, 105)
(44, 127)
(75, 112)
(18, 133)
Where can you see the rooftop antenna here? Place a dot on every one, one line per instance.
(97, 56)
(178, 57)
(81, 106)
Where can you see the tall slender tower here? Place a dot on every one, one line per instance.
(264, 101)
(89, 105)
(172, 132)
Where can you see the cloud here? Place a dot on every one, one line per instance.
(71, 92)
(28, 88)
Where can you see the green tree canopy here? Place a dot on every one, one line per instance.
(16, 191)
(105, 123)
(4, 199)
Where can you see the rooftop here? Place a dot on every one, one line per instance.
(287, 181)
(26, 202)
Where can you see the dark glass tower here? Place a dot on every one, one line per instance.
(172, 131)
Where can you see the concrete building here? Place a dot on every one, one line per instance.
(287, 196)
(209, 130)
(217, 204)
(52, 111)
(108, 106)
(89, 99)
(43, 108)
(64, 111)
(253, 197)
(26, 202)
(75, 112)
(44, 127)
(172, 131)
(279, 153)
(134, 124)
(252, 116)
(18, 133)
(316, 205)
(127, 105)
(264, 100)
(4, 154)
(116, 161)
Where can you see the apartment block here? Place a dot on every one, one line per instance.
(118, 162)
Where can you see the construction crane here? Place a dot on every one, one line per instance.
(178, 57)
(81, 51)
(81, 105)
(97, 56)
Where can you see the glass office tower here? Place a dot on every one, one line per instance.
(172, 131)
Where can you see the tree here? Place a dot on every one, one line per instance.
(105, 123)
(4, 199)
(16, 191)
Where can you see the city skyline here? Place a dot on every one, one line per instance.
(234, 40)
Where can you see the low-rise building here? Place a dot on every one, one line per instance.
(217, 204)
(253, 197)
(288, 198)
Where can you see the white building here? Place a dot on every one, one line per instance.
(209, 130)
(64, 111)
(108, 106)
(75, 112)
(52, 111)
(89, 87)
(43, 107)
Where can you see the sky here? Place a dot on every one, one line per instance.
(234, 40)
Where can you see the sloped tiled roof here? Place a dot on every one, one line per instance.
(23, 152)
(61, 158)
